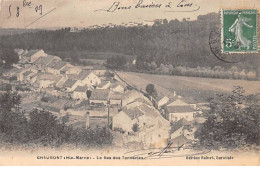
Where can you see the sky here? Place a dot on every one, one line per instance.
(82, 13)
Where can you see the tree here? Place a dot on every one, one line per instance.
(116, 62)
(89, 92)
(233, 121)
(46, 127)
(150, 89)
(8, 56)
(13, 123)
(135, 127)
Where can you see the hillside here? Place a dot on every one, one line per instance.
(180, 43)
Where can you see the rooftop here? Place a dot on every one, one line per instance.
(52, 63)
(81, 89)
(27, 73)
(31, 52)
(180, 123)
(133, 113)
(83, 74)
(103, 83)
(180, 109)
(69, 82)
(99, 94)
(59, 65)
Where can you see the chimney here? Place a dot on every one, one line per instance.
(87, 120)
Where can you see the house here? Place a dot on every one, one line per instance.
(88, 78)
(126, 119)
(45, 80)
(56, 68)
(49, 67)
(104, 85)
(71, 84)
(30, 76)
(20, 52)
(60, 82)
(100, 72)
(74, 70)
(117, 87)
(133, 95)
(42, 62)
(143, 124)
(65, 69)
(21, 76)
(32, 56)
(80, 93)
(115, 99)
(99, 96)
(178, 110)
(182, 127)
(160, 101)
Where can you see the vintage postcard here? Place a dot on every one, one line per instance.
(129, 82)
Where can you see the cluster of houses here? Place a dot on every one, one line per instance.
(137, 118)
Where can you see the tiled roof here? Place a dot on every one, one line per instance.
(81, 89)
(59, 65)
(103, 83)
(83, 74)
(133, 113)
(31, 52)
(115, 84)
(52, 63)
(65, 69)
(47, 77)
(180, 123)
(71, 76)
(69, 83)
(99, 94)
(180, 109)
(148, 110)
(48, 59)
(27, 73)
(115, 96)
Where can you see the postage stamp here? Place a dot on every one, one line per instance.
(239, 31)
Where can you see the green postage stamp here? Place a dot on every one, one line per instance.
(239, 31)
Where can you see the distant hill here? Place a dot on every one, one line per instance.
(179, 43)
(13, 31)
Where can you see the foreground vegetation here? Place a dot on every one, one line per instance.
(232, 122)
(43, 128)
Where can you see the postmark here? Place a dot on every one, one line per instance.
(239, 31)
(215, 42)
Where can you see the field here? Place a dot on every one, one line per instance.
(195, 88)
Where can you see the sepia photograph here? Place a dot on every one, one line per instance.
(129, 82)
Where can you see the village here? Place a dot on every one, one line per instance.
(97, 97)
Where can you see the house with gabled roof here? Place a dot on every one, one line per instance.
(71, 84)
(99, 96)
(46, 80)
(32, 56)
(80, 92)
(117, 87)
(182, 127)
(115, 98)
(42, 62)
(104, 85)
(145, 124)
(179, 109)
(56, 68)
(88, 78)
(75, 70)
